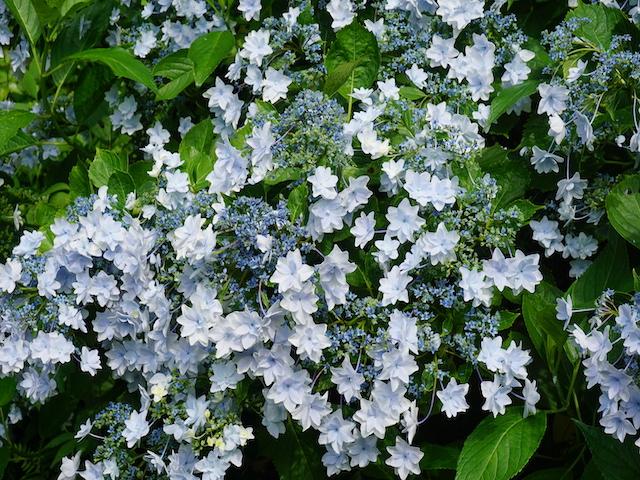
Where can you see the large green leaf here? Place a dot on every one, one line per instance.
(512, 174)
(121, 62)
(178, 68)
(197, 151)
(603, 22)
(509, 96)
(27, 16)
(609, 270)
(354, 59)
(614, 460)
(293, 454)
(439, 457)
(7, 390)
(86, 29)
(11, 121)
(104, 164)
(500, 447)
(79, 184)
(121, 184)
(207, 51)
(298, 203)
(18, 142)
(89, 104)
(623, 209)
(539, 308)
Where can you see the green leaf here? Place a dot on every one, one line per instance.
(121, 62)
(79, 184)
(178, 68)
(623, 209)
(526, 208)
(69, 5)
(298, 203)
(509, 96)
(5, 456)
(412, 93)
(500, 447)
(603, 23)
(439, 457)
(609, 270)
(7, 390)
(293, 454)
(19, 142)
(207, 51)
(104, 164)
(507, 319)
(512, 174)
(89, 104)
(139, 172)
(197, 151)
(614, 460)
(86, 29)
(339, 76)
(282, 175)
(121, 184)
(540, 308)
(548, 474)
(354, 47)
(11, 122)
(27, 16)
(200, 137)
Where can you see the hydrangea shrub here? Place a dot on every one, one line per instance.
(305, 239)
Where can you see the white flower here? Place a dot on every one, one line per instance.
(496, 396)
(547, 233)
(136, 427)
(145, 43)
(545, 162)
(404, 458)
(417, 75)
(290, 272)
(335, 431)
(310, 339)
(475, 287)
(342, 12)
(347, 379)
(394, 287)
(29, 244)
(531, 397)
(363, 229)
(397, 367)
(377, 28)
(371, 145)
(256, 46)
(224, 376)
(323, 183)
(440, 244)
(10, 274)
(404, 221)
(442, 51)
(333, 276)
(574, 73)
(403, 331)
(84, 430)
(250, 9)
(275, 85)
(452, 398)
(388, 90)
(571, 188)
(553, 99)
(69, 467)
(89, 361)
